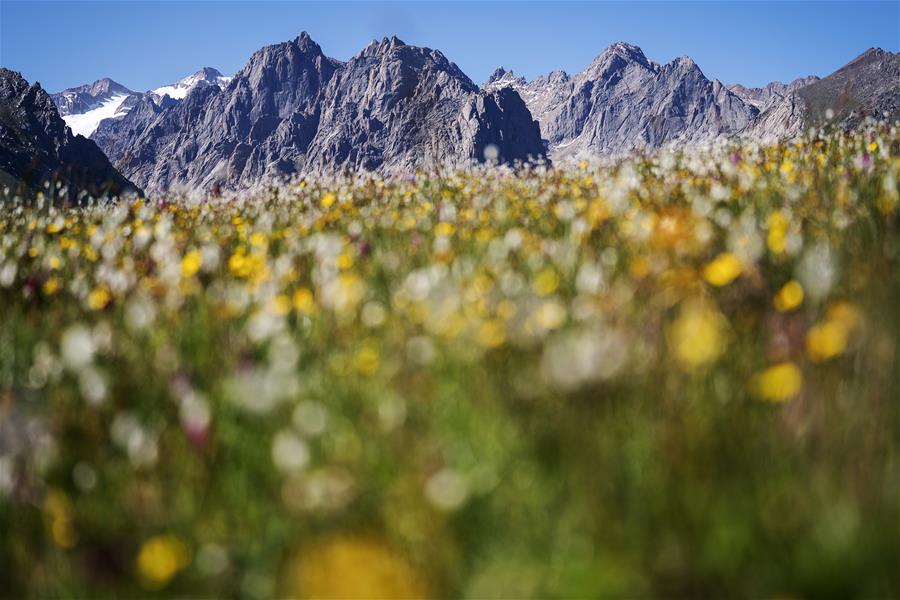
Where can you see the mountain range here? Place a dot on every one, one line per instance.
(395, 107)
(293, 109)
(623, 102)
(83, 108)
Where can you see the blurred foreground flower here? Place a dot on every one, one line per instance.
(698, 336)
(160, 559)
(778, 383)
(353, 567)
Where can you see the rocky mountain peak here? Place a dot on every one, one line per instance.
(683, 64)
(869, 56)
(624, 50)
(306, 44)
(558, 76)
(498, 74)
(81, 99)
(299, 50)
(501, 78)
(616, 58)
(207, 73)
(406, 66)
(106, 86)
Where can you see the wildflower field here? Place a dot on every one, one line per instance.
(673, 375)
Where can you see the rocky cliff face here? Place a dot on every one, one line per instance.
(37, 147)
(766, 97)
(401, 106)
(867, 86)
(88, 97)
(623, 102)
(261, 124)
(293, 109)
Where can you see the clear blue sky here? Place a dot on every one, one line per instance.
(144, 44)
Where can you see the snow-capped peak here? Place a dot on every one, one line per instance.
(180, 89)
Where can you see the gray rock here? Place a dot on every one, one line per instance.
(79, 100)
(37, 147)
(766, 97)
(623, 102)
(868, 86)
(259, 125)
(400, 106)
(292, 109)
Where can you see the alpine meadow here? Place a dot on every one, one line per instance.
(363, 328)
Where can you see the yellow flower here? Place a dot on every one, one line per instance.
(873, 146)
(829, 338)
(160, 559)
(51, 286)
(58, 517)
(789, 297)
(344, 261)
(248, 266)
(444, 229)
(367, 360)
(698, 336)
(546, 282)
(778, 383)
(327, 200)
(236, 264)
(352, 567)
(639, 267)
(787, 167)
(191, 263)
(777, 238)
(826, 340)
(721, 271)
(491, 334)
(258, 239)
(304, 302)
(98, 298)
(279, 305)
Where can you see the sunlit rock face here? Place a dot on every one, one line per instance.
(766, 97)
(867, 86)
(402, 106)
(292, 109)
(624, 102)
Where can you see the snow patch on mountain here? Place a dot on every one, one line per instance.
(180, 89)
(86, 123)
